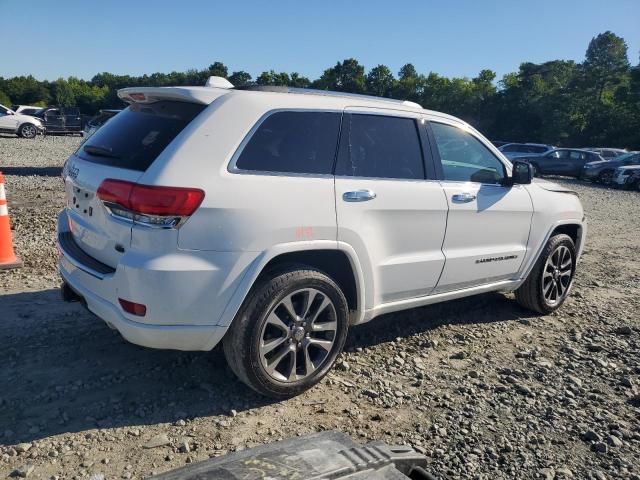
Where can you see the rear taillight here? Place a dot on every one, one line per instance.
(149, 205)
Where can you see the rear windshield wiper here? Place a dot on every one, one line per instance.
(99, 151)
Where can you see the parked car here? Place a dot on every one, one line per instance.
(561, 161)
(607, 153)
(61, 120)
(272, 218)
(100, 119)
(24, 126)
(515, 150)
(25, 109)
(602, 171)
(628, 177)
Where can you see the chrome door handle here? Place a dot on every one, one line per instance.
(358, 196)
(463, 197)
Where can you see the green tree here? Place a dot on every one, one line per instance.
(240, 78)
(380, 81)
(217, 69)
(63, 93)
(606, 63)
(345, 76)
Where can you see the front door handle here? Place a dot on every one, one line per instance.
(463, 197)
(358, 196)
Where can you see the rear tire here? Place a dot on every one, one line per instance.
(281, 353)
(27, 130)
(549, 283)
(534, 170)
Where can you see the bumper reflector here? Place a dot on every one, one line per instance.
(133, 308)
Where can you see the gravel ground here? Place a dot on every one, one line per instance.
(484, 388)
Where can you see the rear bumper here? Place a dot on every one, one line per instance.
(185, 292)
(173, 337)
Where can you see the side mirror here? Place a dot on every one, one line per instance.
(522, 173)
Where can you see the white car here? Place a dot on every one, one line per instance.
(24, 126)
(272, 219)
(25, 109)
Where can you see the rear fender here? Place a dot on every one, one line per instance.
(256, 267)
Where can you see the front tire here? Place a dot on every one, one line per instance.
(548, 285)
(534, 170)
(605, 177)
(27, 130)
(288, 333)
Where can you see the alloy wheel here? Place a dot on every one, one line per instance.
(298, 335)
(29, 131)
(556, 275)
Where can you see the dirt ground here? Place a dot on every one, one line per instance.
(482, 387)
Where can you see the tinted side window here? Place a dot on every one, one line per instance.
(380, 147)
(293, 142)
(464, 158)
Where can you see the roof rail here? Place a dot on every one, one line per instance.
(328, 93)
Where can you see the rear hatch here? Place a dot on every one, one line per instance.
(123, 149)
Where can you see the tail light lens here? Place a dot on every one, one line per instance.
(149, 205)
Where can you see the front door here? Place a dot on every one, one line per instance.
(387, 209)
(7, 120)
(488, 222)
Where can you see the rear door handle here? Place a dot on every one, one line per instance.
(463, 197)
(358, 196)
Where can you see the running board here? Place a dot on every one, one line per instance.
(503, 285)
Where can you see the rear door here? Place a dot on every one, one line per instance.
(72, 119)
(555, 162)
(123, 149)
(575, 162)
(389, 207)
(488, 222)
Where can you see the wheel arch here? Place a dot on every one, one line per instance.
(574, 228)
(341, 264)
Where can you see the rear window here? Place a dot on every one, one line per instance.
(293, 142)
(134, 138)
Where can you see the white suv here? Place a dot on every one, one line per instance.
(24, 126)
(272, 219)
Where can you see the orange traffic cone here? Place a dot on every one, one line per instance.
(8, 259)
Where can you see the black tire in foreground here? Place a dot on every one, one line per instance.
(288, 333)
(27, 130)
(547, 286)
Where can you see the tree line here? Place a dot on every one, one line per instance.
(561, 102)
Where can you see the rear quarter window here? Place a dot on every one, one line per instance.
(293, 142)
(135, 137)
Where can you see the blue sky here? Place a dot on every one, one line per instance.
(453, 38)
